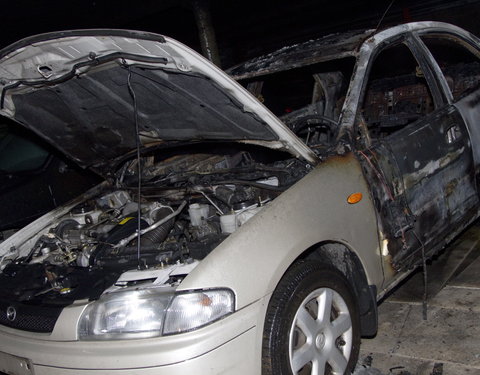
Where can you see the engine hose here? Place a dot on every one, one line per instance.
(159, 234)
(152, 227)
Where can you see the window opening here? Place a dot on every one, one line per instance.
(397, 92)
(459, 65)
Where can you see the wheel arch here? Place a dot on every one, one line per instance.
(344, 259)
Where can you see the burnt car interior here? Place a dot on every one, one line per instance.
(397, 92)
(458, 62)
(308, 99)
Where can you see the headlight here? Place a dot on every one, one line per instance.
(124, 315)
(152, 312)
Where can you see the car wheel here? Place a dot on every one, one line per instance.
(312, 323)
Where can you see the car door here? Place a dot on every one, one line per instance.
(417, 154)
(456, 58)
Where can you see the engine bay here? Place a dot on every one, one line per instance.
(188, 204)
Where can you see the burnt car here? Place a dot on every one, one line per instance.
(228, 238)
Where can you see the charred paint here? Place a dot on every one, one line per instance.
(422, 184)
(329, 47)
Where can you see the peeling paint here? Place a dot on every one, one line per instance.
(431, 167)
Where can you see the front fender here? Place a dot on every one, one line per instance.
(252, 260)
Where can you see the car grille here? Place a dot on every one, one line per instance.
(30, 317)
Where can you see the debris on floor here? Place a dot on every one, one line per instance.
(360, 370)
(448, 343)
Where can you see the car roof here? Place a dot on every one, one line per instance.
(328, 47)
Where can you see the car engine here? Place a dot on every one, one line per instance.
(188, 204)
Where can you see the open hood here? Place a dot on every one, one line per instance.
(72, 89)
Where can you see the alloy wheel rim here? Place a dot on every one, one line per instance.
(321, 335)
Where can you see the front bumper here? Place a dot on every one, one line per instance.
(230, 346)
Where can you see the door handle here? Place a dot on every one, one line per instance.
(453, 134)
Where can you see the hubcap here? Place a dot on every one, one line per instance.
(320, 341)
(321, 335)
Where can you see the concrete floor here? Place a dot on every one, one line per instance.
(448, 342)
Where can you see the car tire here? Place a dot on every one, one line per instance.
(312, 323)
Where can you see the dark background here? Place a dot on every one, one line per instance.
(243, 29)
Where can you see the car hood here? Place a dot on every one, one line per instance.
(72, 88)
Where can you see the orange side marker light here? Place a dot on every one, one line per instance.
(354, 198)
